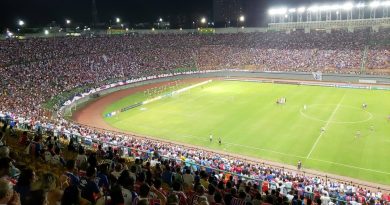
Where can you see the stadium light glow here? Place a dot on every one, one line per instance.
(160, 19)
(9, 33)
(242, 18)
(118, 20)
(313, 9)
(347, 6)
(335, 7)
(301, 9)
(325, 7)
(46, 32)
(360, 5)
(67, 21)
(386, 3)
(292, 10)
(21, 23)
(279, 11)
(374, 4)
(203, 20)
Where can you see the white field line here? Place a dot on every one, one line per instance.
(325, 127)
(206, 140)
(290, 155)
(351, 166)
(245, 146)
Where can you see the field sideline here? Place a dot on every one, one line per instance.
(250, 123)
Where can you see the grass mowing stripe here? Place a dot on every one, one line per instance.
(325, 127)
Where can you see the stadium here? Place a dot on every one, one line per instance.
(292, 113)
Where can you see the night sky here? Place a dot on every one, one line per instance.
(41, 12)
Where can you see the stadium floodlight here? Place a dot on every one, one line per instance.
(374, 4)
(118, 20)
(301, 9)
(360, 5)
(160, 19)
(67, 21)
(347, 6)
(9, 33)
(46, 32)
(21, 23)
(152, 29)
(279, 11)
(325, 8)
(203, 20)
(313, 9)
(242, 18)
(292, 10)
(386, 3)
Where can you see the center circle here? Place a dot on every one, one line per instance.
(345, 114)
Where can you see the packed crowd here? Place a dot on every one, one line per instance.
(49, 66)
(36, 70)
(116, 169)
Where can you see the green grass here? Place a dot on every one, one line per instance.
(250, 123)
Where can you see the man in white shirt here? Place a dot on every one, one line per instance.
(325, 199)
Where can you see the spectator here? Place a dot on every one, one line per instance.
(7, 194)
(23, 186)
(89, 189)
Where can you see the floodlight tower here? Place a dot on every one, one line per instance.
(291, 13)
(203, 22)
(271, 12)
(348, 7)
(282, 14)
(385, 5)
(313, 10)
(21, 23)
(299, 13)
(241, 20)
(373, 5)
(360, 6)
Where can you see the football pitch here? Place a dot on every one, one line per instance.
(333, 134)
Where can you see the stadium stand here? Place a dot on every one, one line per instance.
(81, 165)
